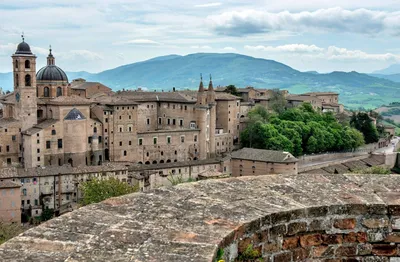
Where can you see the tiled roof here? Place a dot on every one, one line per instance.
(140, 96)
(85, 85)
(69, 100)
(62, 170)
(9, 122)
(141, 167)
(9, 184)
(42, 125)
(321, 93)
(264, 155)
(225, 96)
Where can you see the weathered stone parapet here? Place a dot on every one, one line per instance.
(285, 217)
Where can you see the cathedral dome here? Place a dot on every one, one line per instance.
(23, 49)
(51, 73)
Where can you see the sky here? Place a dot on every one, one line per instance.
(312, 35)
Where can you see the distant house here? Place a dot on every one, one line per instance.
(80, 87)
(250, 162)
(10, 206)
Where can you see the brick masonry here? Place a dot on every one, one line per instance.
(285, 217)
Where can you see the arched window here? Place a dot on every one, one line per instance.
(27, 64)
(16, 80)
(46, 92)
(59, 91)
(28, 80)
(16, 63)
(94, 129)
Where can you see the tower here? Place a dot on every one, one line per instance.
(24, 69)
(201, 116)
(212, 118)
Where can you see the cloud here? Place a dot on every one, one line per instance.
(229, 48)
(360, 21)
(209, 5)
(201, 47)
(79, 55)
(330, 53)
(137, 42)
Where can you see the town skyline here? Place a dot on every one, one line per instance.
(311, 35)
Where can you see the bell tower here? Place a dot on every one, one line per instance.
(24, 72)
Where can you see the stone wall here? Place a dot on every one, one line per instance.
(306, 217)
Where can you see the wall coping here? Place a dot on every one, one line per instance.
(189, 222)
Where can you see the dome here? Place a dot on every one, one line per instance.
(51, 73)
(23, 49)
(75, 114)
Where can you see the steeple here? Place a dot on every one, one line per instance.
(201, 87)
(50, 58)
(210, 85)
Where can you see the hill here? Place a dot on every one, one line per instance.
(393, 77)
(392, 69)
(182, 72)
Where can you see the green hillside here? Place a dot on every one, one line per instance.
(163, 73)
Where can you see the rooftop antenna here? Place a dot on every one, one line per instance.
(50, 49)
(23, 38)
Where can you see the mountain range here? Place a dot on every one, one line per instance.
(165, 72)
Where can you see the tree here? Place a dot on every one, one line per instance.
(277, 101)
(362, 122)
(232, 90)
(97, 190)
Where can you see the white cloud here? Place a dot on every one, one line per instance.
(200, 47)
(137, 42)
(79, 55)
(229, 48)
(209, 5)
(293, 48)
(330, 53)
(361, 21)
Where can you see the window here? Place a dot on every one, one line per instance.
(120, 143)
(140, 141)
(38, 158)
(120, 129)
(48, 145)
(168, 140)
(106, 120)
(169, 121)
(130, 142)
(53, 132)
(8, 148)
(148, 121)
(105, 130)
(192, 125)
(24, 192)
(100, 139)
(124, 152)
(147, 154)
(46, 92)
(173, 122)
(36, 202)
(94, 129)
(89, 139)
(182, 139)
(27, 64)
(38, 141)
(14, 138)
(59, 143)
(176, 152)
(195, 138)
(130, 117)
(185, 107)
(181, 122)
(120, 117)
(8, 161)
(59, 91)
(155, 140)
(22, 202)
(5, 130)
(129, 128)
(159, 120)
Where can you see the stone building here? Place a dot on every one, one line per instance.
(10, 199)
(250, 161)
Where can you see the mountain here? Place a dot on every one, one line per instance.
(393, 77)
(182, 72)
(392, 69)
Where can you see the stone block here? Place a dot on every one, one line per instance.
(362, 237)
(375, 222)
(364, 249)
(271, 247)
(296, 227)
(311, 240)
(376, 236)
(317, 225)
(393, 237)
(290, 243)
(396, 223)
(283, 257)
(346, 251)
(332, 239)
(384, 250)
(323, 251)
(300, 254)
(350, 237)
(346, 223)
(277, 231)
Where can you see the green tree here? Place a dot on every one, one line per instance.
(97, 190)
(231, 89)
(362, 122)
(277, 101)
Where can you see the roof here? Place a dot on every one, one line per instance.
(13, 172)
(141, 167)
(42, 125)
(140, 96)
(9, 122)
(321, 93)
(225, 96)
(298, 98)
(85, 85)
(69, 100)
(51, 73)
(263, 155)
(9, 184)
(23, 49)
